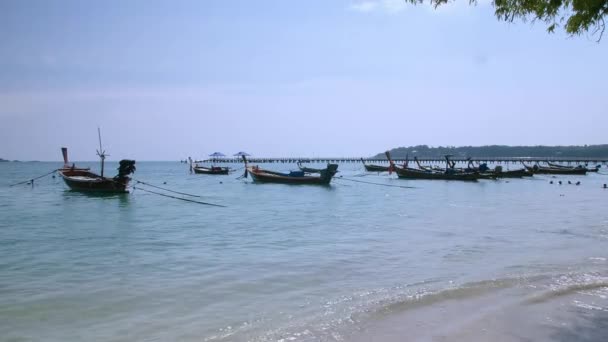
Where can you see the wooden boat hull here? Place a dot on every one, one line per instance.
(375, 168)
(482, 175)
(513, 174)
(266, 176)
(86, 181)
(211, 171)
(536, 169)
(67, 168)
(556, 171)
(561, 171)
(580, 167)
(417, 174)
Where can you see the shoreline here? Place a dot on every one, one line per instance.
(535, 311)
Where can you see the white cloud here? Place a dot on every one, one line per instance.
(394, 6)
(388, 6)
(365, 6)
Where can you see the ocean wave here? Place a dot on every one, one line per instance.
(569, 284)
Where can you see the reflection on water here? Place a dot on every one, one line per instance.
(98, 194)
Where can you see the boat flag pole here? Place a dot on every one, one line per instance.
(101, 153)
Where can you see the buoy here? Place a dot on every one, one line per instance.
(551, 182)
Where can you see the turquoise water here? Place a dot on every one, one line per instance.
(279, 262)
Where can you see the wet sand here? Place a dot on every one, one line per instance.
(518, 313)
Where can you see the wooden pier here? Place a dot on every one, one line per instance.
(423, 160)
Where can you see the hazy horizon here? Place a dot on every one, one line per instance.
(168, 80)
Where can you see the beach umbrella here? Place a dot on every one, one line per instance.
(240, 154)
(217, 154)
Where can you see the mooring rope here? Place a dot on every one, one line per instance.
(361, 175)
(169, 196)
(389, 185)
(33, 179)
(179, 198)
(165, 189)
(342, 184)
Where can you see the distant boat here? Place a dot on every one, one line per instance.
(497, 172)
(84, 180)
(374, 168)
(294, 177)
(213, 170)
(537, 169)
(411, 173)
(592, 169)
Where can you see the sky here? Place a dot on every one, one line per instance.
(169, 79)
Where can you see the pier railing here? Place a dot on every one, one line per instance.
(495, 160)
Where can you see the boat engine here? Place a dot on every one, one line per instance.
(125, 168)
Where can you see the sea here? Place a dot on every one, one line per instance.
(368, 258)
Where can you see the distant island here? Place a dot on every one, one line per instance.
(3, 160)
(425, 151)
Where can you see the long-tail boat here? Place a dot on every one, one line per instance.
(411, 173)
(374, 168)
(452, 169)
(294, 177)
(497, 172)
(84, 180)
(537, 169)
(589, 169)
(212, 170)
(520, 173)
